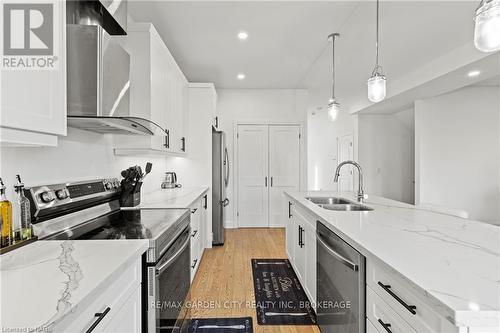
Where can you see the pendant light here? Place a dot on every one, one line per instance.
(333, 105)
(487, 26)
(377, 82)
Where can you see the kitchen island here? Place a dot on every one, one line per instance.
(447, 265)
(60, 285)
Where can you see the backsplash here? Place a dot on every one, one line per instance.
(81, 155)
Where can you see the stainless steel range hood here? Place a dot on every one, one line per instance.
(98, 84)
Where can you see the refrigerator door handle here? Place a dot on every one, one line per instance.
(226, 164)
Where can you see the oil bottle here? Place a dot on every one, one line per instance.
(24, 232)
(6, 238)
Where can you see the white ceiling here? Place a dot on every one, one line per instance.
(287, 45)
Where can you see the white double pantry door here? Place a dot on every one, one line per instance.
(268, 164)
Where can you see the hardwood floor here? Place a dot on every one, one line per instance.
(224, 279)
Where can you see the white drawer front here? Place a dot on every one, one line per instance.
(113, 298)
(385, 319)
(389, 286)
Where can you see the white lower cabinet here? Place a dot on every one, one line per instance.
(116, 309)
(301, 248)
(199, 231)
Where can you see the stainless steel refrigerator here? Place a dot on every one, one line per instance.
(220, 177)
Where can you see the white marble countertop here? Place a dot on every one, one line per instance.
(170, 198)
(454, 261)
(42, 282)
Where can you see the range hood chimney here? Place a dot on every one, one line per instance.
(98, 70)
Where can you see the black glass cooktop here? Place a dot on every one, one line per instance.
(136, 224)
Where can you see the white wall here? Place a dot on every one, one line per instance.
(322, 146)
(82, 155)
(458, 151)
(259, 106)
(387, 154)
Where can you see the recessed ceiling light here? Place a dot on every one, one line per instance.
(242, 35)
(473, 73)
(241, 76)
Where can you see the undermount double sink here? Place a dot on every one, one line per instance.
(338, 204)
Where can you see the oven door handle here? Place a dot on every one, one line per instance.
(160, 269)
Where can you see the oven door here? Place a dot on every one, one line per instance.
(168, 286)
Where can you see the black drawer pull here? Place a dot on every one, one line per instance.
(387, 288)
(289, 209)
(194, 233)
(206, 201)
(100, 316)
(194, 210)
(385, 326)
(194, 263)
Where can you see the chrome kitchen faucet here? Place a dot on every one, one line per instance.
(361, 194)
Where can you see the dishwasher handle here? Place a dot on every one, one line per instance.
(346, 262)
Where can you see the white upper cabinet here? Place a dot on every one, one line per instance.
(157, 92)
(33, 98)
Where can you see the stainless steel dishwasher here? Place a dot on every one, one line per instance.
(340, 284)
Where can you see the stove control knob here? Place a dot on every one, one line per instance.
(62, 194)
(47, 196)
(108, 186)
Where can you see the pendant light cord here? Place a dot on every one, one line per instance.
(376, 39)
(333, 36)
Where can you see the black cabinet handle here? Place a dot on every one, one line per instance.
(194, 210)
(194, 233)
(387, 288)
(100, 316)
(271, 181)
(206, 201)
(183, 144)
(385, 326)
(167, 139)
(301, 239)
(216, 122)
(289, 209)
(194, 263)
(265, 181)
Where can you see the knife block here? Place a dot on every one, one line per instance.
(131, 195)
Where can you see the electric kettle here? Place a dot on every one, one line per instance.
(170, 181)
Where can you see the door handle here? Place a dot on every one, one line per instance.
(169, 262)
(271, 181)
(338, 256)
(387, 288)
(183, 142)
(385, 326)
(265, 181)
(167, 139)
(226, 163)
(300, 236)
(100, 316)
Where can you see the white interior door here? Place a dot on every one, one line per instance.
(284, 169)
(253, 158)
(345, 152)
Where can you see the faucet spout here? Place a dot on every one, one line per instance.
(361, 194)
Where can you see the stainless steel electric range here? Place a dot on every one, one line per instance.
(91, 210)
